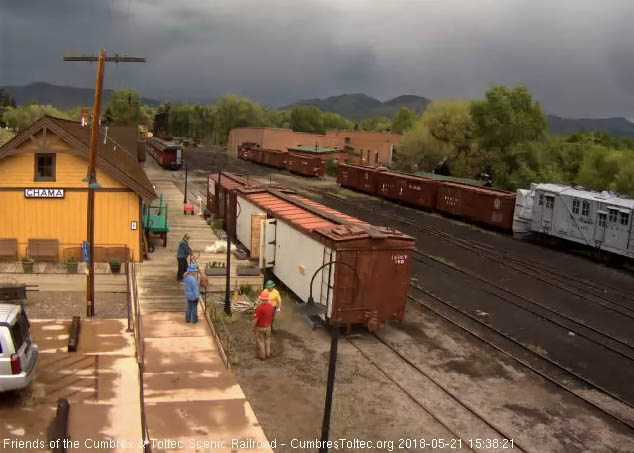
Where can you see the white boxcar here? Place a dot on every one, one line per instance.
(599, 220)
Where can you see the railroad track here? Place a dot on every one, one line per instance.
(456, 316)
(439, 419)
(612, 343)
(591, 292)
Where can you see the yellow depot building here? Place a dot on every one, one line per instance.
(43, 192)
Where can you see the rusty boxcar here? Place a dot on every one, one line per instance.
(491, 207)
(410, 189)
(305, 165)
(359, 177)
(272, 158)
(168, 154)
(295, 237)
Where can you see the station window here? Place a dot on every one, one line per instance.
(585, 209)
(44, 167)
(602, 220)
(612, 215)
(541, 199)
(624, 218)
(575, 206)
(550, 202)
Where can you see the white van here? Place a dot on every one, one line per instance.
(17, 354)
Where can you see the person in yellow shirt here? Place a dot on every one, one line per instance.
(274, 298)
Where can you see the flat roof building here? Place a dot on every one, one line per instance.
(372, 148)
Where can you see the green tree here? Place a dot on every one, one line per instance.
(234, 111)
(125, 107)
(419, 150)
(277, 118)
(376, 123)
(334, 121)
(6, 101)
(22, 117)
(404, 120)
(503, 119)
(307, 118)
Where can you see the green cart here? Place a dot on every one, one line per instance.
(155, 221)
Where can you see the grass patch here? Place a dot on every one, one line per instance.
(351, 193)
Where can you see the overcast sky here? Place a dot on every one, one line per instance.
(576, 56)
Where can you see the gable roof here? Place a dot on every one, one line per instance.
(117, 156)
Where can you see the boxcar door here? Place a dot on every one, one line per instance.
(256, 228)
(599, 230)
(548, 205)
(269, 243)
(618, 228)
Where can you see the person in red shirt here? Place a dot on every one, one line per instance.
(262, 318)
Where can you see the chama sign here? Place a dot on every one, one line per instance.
(44, 193)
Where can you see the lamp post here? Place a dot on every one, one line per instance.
(334, 344)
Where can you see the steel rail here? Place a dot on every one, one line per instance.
(524, 347)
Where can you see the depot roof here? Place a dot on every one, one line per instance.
(116, 154)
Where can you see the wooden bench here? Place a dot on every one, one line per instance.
(43, 250)
(8, 249)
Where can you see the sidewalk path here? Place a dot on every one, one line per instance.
(192, 401)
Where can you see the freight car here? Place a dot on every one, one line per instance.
(305, 165)
(358, 177)
(486, 206)
(274, 224)
(413, 190)
(273, 158)
(380, 257)
(599, 221)
(168, 154)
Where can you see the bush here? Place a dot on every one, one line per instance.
(331, 167)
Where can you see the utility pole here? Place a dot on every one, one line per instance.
(92, 172)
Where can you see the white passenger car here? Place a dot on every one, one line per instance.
(18, 355)
(602, 220)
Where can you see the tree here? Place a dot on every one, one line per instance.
(6, 101)
(334, 121)
(125, 107)
(307, 118)
(404, 120)
(503, 119)
(22, 117)
(419, 150)
(277, 118)
(376, 123)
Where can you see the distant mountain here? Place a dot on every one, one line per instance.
(619, 127)
(63, 97)
(359, 107)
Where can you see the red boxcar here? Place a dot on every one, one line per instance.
(273, 158)
(487, 206)
(305, 165)
(410, 189)
(359, 177)
(168, 154)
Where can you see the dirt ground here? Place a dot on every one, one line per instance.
(378, 397)
(66, 304)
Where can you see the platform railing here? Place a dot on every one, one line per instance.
(136, 320)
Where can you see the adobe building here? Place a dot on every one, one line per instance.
(44, 194)
(373, 148)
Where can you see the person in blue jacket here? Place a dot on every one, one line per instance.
(181, 255)
(191, 293)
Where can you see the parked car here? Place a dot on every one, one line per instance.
(18, 355)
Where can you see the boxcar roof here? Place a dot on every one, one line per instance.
(602, 197)
(312, 222)
(229, 180)
(117, 156)
(485, 190)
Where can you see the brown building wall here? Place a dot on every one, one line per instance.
(375, 147)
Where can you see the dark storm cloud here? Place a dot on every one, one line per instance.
(575, 56)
